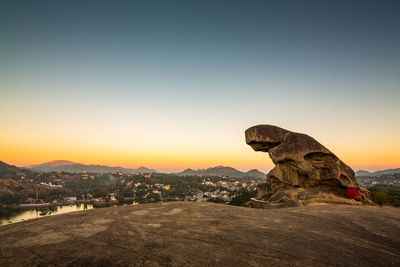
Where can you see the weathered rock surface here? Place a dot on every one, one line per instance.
(304, 168)
(207, 234)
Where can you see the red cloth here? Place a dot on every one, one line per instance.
(353, 193)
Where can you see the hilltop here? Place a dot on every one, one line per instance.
(53, 163)
(11, 172)
(224, 171)
(204, 234)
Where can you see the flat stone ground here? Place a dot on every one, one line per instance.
(201, 234)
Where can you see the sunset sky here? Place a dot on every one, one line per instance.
(174, 84)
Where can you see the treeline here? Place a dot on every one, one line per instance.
(386, 195)
(240, 199)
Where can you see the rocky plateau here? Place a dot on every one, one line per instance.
(207, 234)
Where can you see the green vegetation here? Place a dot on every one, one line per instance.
(216, 200)
(386, 194)
(243, 197)
(19, 186)
(120, 188)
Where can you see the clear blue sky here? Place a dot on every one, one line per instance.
(173, 84)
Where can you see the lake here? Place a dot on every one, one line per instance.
(24, 215)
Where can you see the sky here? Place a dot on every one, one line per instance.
(174, 84)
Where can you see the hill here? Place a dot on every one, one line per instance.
(207, 234)
(11, 191)
(224, 171)
(11, 172)
(377, 173)
(17, 184)
(69, 166)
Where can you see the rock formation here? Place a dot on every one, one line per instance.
(305, 171)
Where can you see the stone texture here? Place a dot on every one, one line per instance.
(207, 234)
(300, 162)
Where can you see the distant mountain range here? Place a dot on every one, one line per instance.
(377, 173)
(10, 171)
(69, 166)
(224, 171)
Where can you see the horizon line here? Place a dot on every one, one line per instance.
(179, 169)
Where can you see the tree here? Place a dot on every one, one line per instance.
(243, 197)
(121, 199)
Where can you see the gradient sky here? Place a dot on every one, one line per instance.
(174, 84)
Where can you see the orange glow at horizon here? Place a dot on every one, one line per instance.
(23, 141)
(23, 154)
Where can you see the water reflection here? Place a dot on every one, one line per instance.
(44, 211)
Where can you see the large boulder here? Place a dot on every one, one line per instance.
(302, 166)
